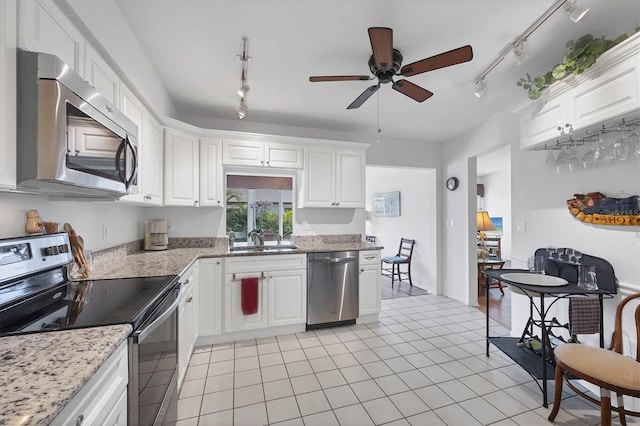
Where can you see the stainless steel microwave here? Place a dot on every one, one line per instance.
(71, 141)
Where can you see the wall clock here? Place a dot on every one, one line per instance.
(452, 183)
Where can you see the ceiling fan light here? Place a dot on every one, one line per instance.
(521, 52)
(242, 92)
(480, 87)
(575, 12)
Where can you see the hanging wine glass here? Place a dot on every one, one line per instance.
(600, 153)
(574, 158)
(562, 162)
(550, 160)
(621, 148)
(634, 138)
(588, 159)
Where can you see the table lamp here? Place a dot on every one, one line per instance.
(484, 224)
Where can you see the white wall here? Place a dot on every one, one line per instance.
(123, 222)
(497, 201)
(538, 201)
(417, 218)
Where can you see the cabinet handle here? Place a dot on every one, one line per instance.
(262, 162)
(77, 151)
(337, 204)
(79, 419)
(195, 203)
(187, 281)
(190, 299)
(218, 201)
(333, 204)
(361, 270)
(369, 257)
(217, 263)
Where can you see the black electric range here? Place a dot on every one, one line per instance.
(36, 295)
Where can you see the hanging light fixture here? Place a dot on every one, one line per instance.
(243, 110)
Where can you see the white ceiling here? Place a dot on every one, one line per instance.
(193, 45)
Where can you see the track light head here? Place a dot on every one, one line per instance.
(242, 110)
(242, 92)
(480, 87)
(521, 51)
(574, 11)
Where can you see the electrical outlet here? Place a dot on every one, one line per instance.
(104, 232)
(521, 227)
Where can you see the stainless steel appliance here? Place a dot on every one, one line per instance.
(71, 141)
(155, 235)
(36, 296)
(332, 289)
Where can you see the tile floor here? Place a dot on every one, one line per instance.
(423, 363)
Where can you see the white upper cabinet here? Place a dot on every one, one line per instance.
(261, 154)
(211, 188)
(350, 179)
(333, 178)
(181, 168)
(44, 28)
(101, 76)
(8, 16)
(608, 91)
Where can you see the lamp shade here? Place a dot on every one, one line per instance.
(484, 222)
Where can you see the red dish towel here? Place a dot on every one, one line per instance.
(249, 296)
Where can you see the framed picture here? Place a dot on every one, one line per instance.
(497, 222)
(387, 204)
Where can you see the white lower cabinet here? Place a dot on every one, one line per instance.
(187, 317)
(210, 297)
(282, 297)
(369, 290)
(103, 400)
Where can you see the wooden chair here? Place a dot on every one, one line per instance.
(606, 368)
(402, 258)
(493, 283)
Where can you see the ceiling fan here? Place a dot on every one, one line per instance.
(385, 63)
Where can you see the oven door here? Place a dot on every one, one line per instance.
(153, 365)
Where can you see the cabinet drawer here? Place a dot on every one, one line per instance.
(370, 257)
(275, 262)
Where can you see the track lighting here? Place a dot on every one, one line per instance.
(242, 92)
(519, 47)
(480, 87)
(574, 11)
(521, 51)
(243, 110)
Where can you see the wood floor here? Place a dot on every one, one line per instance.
(499, 306)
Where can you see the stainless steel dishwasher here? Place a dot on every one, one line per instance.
(332, 289)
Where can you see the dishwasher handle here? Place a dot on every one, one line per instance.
(333, 259)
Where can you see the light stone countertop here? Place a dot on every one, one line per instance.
(175, 261)
(41, 372)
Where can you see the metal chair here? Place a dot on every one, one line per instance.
(607, 368)
(402, 258)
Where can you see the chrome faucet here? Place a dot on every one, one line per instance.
(257, 236)
(231, 239)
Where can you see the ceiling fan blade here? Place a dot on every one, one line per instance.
(382, 46)
(364, 96)
(413, 91)
(446, 59)
(320, 78)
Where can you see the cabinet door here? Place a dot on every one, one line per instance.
(211, 192)
(234, 319)
(101, 76)
(44, 28)
(8, 16)
(319, 178)
(613, 93)
(287, 298)
(210, 298)
(181, 167)
(151, 160)
(369, 289)
(541, 123)
(133, 109)
(283, 155)
(242, 153)
(350, 179)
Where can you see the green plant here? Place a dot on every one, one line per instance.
(579, 56)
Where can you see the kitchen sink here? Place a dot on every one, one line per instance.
(265, 249)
